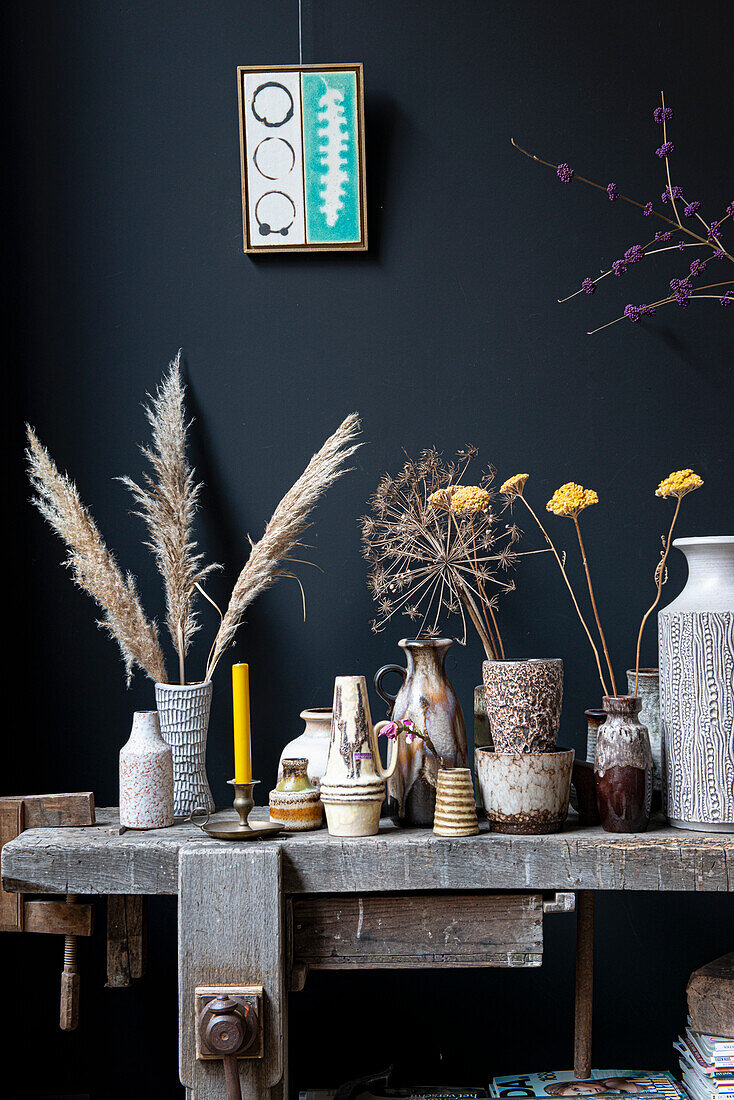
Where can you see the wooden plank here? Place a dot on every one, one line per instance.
(90, 861)
(126, 939)
(58, 918)
(56, 810)
(375, 931)
(11, 825)
(710, 993)
(231, 931)
(577, 858)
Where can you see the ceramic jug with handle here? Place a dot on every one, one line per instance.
(353, 787)
(428, 700)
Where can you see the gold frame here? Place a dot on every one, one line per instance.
(354, 246)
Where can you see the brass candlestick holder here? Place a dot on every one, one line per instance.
(228, 829)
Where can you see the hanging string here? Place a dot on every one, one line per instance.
(300, 34)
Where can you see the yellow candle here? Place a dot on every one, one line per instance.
(241, 718)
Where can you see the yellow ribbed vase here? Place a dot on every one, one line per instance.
(456, 812)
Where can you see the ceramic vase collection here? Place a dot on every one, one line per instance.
(428, 700)
(146, 776)
(183, 710)
(353, 788)
(296, 802)
(623, 767)
(456, 811)
(312, 745)
(696, 643)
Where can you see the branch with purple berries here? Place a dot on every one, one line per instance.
(393, 729)
(683, 290)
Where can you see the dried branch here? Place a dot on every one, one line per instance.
(673, 194)
(282, 534)
(168, 504)
(93, 567)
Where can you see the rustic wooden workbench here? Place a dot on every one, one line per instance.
(264, 912)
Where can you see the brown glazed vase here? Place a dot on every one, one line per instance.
(427, 699)
(623, 767)
(523, 703)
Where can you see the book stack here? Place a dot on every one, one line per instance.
(707, 1065)
(603, 1082)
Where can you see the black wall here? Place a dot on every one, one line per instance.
(125, 244)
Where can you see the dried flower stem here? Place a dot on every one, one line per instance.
(168, 503)
(593, 603)
(485, 635)
(667, 168)
(282, 534)
(667, 301)
(93, 567)
(570, 589)
(625, 198)
(660, 581)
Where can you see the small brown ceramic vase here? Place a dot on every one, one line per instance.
(456, 812)
(295, 802)
(623, 767)
(523, 700)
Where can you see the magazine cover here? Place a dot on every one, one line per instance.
(603, 1082)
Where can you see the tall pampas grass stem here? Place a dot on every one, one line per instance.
(268, 558)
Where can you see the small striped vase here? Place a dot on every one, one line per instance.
(456, 812)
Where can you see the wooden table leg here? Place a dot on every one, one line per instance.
(584, 984)
(231, 931)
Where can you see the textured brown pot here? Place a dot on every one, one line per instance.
(456, 812)
(523, 700)
(523, 792)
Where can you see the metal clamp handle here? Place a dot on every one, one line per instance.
(379, 676)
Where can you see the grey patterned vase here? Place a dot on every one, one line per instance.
(427, 699)
(696, 641)
(524, 703)
(183, 710)
(648, 689)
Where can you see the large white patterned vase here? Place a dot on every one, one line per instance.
(696, 639)
(184, 715)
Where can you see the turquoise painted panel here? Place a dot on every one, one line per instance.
(331, 157)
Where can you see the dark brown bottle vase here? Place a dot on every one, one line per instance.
(623, 767)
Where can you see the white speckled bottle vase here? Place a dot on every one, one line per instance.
(696, 640)
(146, 776)
(184, 714)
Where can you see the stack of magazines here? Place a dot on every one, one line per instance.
(707, 1066)
(603, 1082)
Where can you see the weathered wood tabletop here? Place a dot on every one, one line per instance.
(98, 860)
(262, 913)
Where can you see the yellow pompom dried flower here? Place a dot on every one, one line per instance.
(441, 498)
(678, 484)
(571, 499)
(514, 486)
(469, 498)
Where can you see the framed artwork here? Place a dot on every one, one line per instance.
(302, 158)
